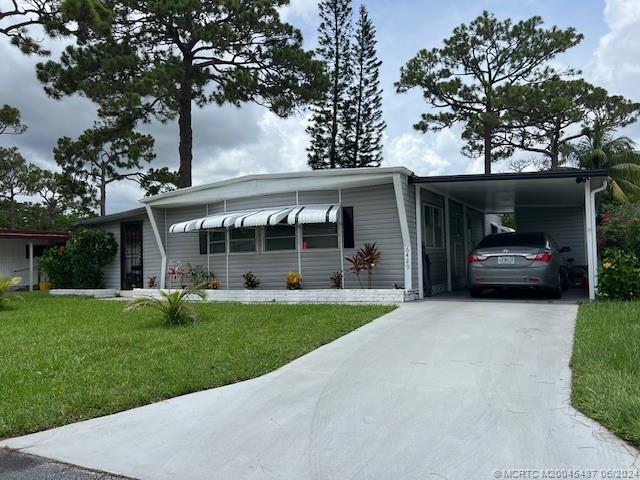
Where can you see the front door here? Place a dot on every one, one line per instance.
(458, 252)
(131, 255)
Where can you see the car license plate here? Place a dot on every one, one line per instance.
(506, 260)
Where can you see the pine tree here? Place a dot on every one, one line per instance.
(362, 138)
(328, 113)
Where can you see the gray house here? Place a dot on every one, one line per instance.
(308, 222)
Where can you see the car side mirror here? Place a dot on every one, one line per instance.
(565, 249)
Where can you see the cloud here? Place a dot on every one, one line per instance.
(424, 155)
(615, 61)
(306, 10)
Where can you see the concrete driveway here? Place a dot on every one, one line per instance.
(453, 390)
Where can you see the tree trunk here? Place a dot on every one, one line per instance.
(333, 151)
(184, 122)
(103, 192)
(554, 154)
(12, 211)
(487, 150)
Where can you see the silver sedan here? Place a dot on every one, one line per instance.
(532, 260)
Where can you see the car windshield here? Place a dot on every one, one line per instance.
(513, 240)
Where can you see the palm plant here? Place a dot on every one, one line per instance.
(601, 149)
(174, 306)
(5, 284)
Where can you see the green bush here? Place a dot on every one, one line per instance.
(5, 284)
(619, 277)
(173, 306)
(80, 263)
(620, 228)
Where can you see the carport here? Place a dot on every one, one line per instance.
(453, 214)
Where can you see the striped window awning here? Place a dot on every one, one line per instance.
(261, 217)
(313, 214)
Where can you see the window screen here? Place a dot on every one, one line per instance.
(242, 240)
(319, 235)
(279, 237)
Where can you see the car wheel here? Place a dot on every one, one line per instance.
(475, 292)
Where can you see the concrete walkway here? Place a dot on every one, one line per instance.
(453, 390)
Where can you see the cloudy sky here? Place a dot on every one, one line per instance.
(229, 142)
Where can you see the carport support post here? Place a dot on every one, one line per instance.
(418, 190)
(163, 254)
(590, 229)
(31, 266)
(404, 229)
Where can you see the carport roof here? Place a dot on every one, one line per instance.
(502, 192)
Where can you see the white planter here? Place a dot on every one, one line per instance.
(373, 296)
(87, 292)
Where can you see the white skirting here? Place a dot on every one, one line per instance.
(373, 296)
(95, 292)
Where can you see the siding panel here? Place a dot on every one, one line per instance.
(564, 224)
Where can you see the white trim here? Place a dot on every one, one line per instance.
(31, 265)
(227, 249)
(404, 230)
(341, 237)
(592, 239)
(299, 237)
(163, 254)
(447, 241)
(418, 191)
(329, 179)
(208, 241)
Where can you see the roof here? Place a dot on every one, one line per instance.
(135, 212)
(503, 192)
(603, 172)
(273, 183)
(19, 234)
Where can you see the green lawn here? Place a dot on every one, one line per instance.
(606, 366)
(69, 359)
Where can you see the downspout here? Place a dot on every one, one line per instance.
(163, 254)
(404, 230)
(593, 283)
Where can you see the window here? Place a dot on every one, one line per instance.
(433, 227)
(242, 240)
(217, 241)
(279, 237)
(319, 235)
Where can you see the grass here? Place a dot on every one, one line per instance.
(65, 359)
(606, 366)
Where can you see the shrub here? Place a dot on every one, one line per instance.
(366, 259)
(620, 228)
(5, 284)
(80, 263)
(197, 275)
(152, 281)
(250, 281)
(336, 280)
(619, 277)
(174, 271)
(173, 305)
(294, 281)
(214, 283)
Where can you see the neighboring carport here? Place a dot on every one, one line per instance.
(561, 203)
